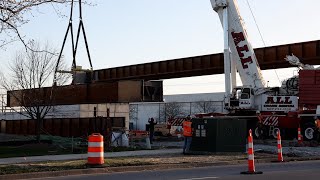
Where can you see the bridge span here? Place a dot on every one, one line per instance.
(268, 58)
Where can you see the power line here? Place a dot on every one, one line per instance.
(255, 21)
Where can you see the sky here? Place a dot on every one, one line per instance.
(126, 32)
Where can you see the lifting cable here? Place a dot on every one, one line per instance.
(73, 44)
(81, 27)
(255, 21)
(64, 42)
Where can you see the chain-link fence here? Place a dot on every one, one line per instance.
(141, 112)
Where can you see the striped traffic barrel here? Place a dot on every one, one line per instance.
(95, 149)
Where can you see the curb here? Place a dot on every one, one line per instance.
(106, 170)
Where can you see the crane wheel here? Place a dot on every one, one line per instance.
(260, 132)
(309, 132)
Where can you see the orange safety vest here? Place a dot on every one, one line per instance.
(318, 123)
(187, 132)
(260, 118)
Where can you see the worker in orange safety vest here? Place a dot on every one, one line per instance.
(317, 123)
(187, 133)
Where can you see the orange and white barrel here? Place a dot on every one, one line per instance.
(95, 149)
(280, 157)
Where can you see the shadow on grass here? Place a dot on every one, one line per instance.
(41, 149)
(34, 150)
(66, 165)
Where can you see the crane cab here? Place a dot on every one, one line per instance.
(241, 98)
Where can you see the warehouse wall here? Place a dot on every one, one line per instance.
(141, 112)
(116, 110)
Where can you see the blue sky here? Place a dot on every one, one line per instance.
(125, 32)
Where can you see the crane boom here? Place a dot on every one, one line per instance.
(242, 51)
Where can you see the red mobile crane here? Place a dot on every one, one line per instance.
(271, 109)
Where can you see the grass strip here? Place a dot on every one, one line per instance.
(66, 165)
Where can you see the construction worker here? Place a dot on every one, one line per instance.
(259, 116)
(317, 123)
(187, 133)
(260, 131)
(152, 122)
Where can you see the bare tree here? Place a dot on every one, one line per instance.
(14, 14)
(172, 110)
(28, 85)
(204, 106)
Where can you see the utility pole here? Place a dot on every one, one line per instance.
(2, 94)
(2, 104)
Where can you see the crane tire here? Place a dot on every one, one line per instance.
(309, 132)
(260, 132)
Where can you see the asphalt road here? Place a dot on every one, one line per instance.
(308, 170)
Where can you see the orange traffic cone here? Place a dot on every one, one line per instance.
(280, 157)
(251, 167)
(300, 141)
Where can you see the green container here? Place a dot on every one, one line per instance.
(219, 134)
